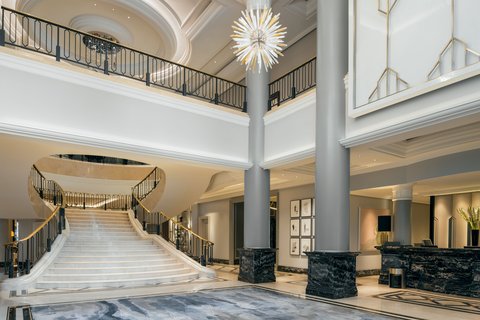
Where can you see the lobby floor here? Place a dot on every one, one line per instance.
(373, 301)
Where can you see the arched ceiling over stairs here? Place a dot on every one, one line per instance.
(185, 182)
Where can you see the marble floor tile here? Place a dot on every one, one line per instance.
(240, 303)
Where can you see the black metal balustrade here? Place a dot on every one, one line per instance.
(28, 32)
(97, 201)
(292, 84)
(22, 255)
(142, 189)
(183, 238)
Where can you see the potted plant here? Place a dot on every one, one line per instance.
(472, 216)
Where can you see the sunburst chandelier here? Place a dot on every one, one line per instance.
(259, 38)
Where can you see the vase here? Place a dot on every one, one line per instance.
(475, 238)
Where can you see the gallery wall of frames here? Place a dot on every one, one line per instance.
(302, 226)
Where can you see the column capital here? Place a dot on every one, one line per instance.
(402, 192)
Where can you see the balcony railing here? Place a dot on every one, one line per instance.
(28, 32)
(290, 85)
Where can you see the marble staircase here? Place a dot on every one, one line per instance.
(104, 250)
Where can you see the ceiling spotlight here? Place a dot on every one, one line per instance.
(128, 17)
(259, 38)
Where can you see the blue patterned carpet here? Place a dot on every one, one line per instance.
(240, 303)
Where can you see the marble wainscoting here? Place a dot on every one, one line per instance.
(240, 303)
(332, 274)
(257, 265)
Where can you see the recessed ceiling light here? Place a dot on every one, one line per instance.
(94, 4)
(113, 9)
(128, 17)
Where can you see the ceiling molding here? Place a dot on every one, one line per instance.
(91, 22)
(420, 122)
(207, 16)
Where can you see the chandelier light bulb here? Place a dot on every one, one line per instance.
(259, 38)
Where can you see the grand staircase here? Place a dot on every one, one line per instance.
(104, 250)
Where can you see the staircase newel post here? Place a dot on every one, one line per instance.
(158, 223)
(105, 64)
(177, 240)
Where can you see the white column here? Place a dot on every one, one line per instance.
(332, 165)
(402, 211)
(257, 179)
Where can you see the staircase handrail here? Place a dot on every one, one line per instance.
(176, 223)
(146, 188)
(41, 239)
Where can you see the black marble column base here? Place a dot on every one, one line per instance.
(332, 274)
(257, 265)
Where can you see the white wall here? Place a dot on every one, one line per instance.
(446, 206)
(218, 214)
(290, 131)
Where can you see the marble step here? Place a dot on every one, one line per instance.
(117, 283)
(112, 251)
(102, 238)
(114, 276)
(107, 252)
(115, 268)
(106, 220)
(101, 229)
(98, 245)
(112, 263)
(119, 257)
(106, 234)
(91, 223)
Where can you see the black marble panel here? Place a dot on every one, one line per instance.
(292, 269)
(332, 274)
(257, 265)
(452, 271)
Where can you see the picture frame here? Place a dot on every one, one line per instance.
(294, 246)
(294, 227)
(306, 207)
(313, 207)
(295, 208)
(306, 227)
(305, 246)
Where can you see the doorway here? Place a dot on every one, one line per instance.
(238, 216)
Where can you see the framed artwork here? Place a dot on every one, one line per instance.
(294, 208)
(306, 207)
(313, 207)
(295, 246)
(305, 245)
(294, 227)
(306, 227)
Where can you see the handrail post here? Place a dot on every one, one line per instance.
(244, 109)
(83, 201)
(158, 223)
(294, 90)
(155, 178)
(57, 48)
(105, 64)
(2, 31)
(184, 85)
(49, 239)
(27, 260)
(105, 205)
(216, 90)
(177, 240)
(54, 196)
(61, 220)
(147, 75)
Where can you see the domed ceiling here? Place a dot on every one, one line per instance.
(190, 32)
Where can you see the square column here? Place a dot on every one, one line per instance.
(257, 265)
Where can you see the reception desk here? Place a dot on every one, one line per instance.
(452, 271)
